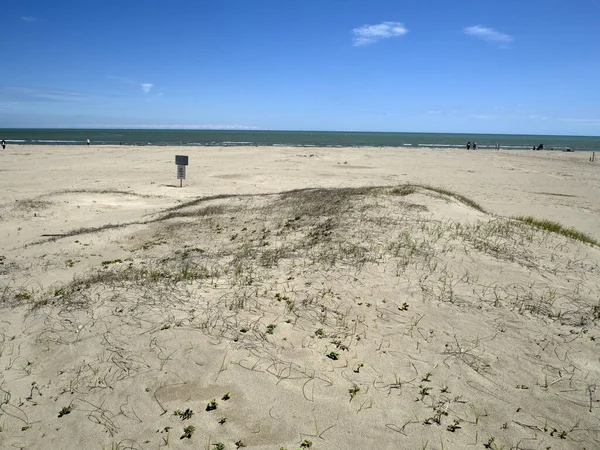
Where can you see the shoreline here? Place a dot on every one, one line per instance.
(237, 144)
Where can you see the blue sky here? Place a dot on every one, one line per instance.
(526, 66)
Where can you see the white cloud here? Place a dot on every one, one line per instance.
(369, 34)
(488, 34)
(146, 87)
(30, 19)
(434, 111)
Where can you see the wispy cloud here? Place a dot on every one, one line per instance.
(146, 87)
(35, 94)
(488, 34)
(30, 19)
(369, 34)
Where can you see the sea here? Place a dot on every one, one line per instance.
(162, 137)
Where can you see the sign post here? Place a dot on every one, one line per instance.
(181, 161)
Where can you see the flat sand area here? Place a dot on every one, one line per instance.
(326, 298)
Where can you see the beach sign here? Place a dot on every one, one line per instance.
(181, 161)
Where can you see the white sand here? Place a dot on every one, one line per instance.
(503, 317)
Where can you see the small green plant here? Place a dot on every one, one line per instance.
(280, 297)
(219, 446)
(424, 391)
(23, 296)
(320, 333)
(226, 397)
(306, 444)
(427, 377)
(244, 329)
(212, 405)
(333, 355)
(71, 263)
(454, 426)
(239, 444)
(188, 431)
(271, 328)
(291, 305)
(112, 261)
(66, 410)
(444, 389)
(353, 391)
(184, 415)
(522, 386)
(339, 345)
(358, 367)
(491, 441)
(404, 307)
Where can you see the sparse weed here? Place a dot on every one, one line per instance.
(65, 410)
(184, 415)
(353, 391)
(333, 355)
(111, 261)
(212, 405)
(188, 432)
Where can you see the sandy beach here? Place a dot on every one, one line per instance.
(326, 298)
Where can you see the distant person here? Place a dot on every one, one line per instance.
(474, 145)
(469, 145)
(541, 147)
(3, 144)
(88, 142)
(497, 146)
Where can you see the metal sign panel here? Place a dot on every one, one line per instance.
(180, 172)
(181, 160)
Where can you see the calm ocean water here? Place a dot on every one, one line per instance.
(291, 138)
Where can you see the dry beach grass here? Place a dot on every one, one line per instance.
(364, 315)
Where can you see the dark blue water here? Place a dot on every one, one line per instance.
(291, 138)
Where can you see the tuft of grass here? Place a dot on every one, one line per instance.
(112, 261)
(184, 415)
(403, 190)
(333, 355)
(212, 405)
(554, 227)
(65, 410)
(454, 195)
(188, 431)
(23, 296)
